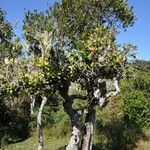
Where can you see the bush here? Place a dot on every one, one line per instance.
(136, 108)
(142, 83)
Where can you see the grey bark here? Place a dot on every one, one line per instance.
(117, 89)
(39, 125)
(74, 140)
(75, 136)
(32, 104)
(74, 117)
(86, 143)
(101, 96)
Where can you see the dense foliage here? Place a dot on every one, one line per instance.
(71, 43)
(136, 102)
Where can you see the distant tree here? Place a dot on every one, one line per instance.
(42, 72)
(142, 65)
(23, 74)
(9, 49)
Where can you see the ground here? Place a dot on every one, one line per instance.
(60, 143)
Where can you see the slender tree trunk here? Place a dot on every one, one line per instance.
(39, 125)
(88, 131)
(32, 104)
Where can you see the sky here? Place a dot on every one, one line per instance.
(139, 34)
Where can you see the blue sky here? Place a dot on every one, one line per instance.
(139, 34)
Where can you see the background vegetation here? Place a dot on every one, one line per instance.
(123, 124)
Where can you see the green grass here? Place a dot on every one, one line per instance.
(60, 143)
(54, 143)
(31, 144)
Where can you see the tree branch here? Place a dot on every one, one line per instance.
(115, 93)
(102, 100)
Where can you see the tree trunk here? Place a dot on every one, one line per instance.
(74, 140)
(75, 136)
(73, 114)
(32, 104)
(74, 117)
(88, 131)
(39, 125)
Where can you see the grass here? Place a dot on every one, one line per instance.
(31, 144)
(53, 143)
(50, 142)
(144, 144)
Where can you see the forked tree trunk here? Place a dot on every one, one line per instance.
(88, 131)
(39, 125)
(90, 117)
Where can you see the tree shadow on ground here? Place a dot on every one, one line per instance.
(14, 132)
(118, 135)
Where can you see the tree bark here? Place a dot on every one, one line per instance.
(74, 140)
(74, 117)
(39, 125)
(32, 104)
(86, 143)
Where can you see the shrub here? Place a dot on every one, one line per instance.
(142, 83)
(136, 108)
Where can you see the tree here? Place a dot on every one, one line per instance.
(142, 65)
(9, 49)
(28, 74)
(83, 50)
(9, 45)
(74, 41)
(88, 31)
(38, 34)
